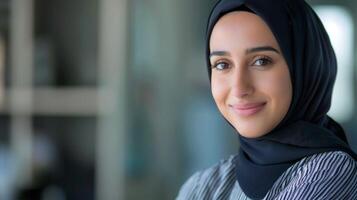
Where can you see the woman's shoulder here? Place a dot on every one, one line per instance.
(330, 163)
(328, 175)
(208, 183)
(333, 156)
(333, 161)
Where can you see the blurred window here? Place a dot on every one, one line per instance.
(339, 25)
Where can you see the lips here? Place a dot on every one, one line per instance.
(247, 109)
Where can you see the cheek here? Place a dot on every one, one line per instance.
(219, 90)
(277, 86)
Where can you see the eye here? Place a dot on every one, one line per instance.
(262, 61)
(220, 66)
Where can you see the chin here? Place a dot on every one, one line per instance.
(251, 133)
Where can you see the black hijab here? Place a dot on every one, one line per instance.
(306, 129)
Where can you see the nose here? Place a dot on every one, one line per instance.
(242, 83)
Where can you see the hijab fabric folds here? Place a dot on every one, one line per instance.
(306, 129)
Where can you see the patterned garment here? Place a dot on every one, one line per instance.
(325, 176)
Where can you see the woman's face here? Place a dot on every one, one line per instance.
(250, 79)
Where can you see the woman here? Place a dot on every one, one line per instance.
(272, 70)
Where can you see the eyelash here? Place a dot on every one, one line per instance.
(265, 59)
(215, 66)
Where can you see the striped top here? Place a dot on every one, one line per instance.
(329, 175)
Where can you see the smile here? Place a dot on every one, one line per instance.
(246, 110)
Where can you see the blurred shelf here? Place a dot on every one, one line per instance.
(80, 101)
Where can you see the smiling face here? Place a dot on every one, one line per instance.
(250, 79)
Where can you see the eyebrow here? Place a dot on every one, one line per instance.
(248, 51)
(219, 53)
(262, 48)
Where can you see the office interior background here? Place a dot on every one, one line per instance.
(110, 99)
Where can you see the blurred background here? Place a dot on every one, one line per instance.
(110, 99)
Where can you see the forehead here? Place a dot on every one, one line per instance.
(241, 28)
